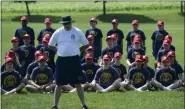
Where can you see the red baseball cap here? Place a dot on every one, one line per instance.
(137, 41)
(166, 42)
(171, 53)
(90, 48)
(26, 36)
(135, 22)
(38, 53)
(139, 58)
(115, 21)
(93, 20)
(24, 18)
(48, 20)
(90, 36)
(47, 37)
(160, 22)
(15, 39)
(168, 37)
(41, 58)
(145, 58)
(88, 56)
(45, 40)
(10, 54)
(109, 38)
(114, 36)
(164, 59)
(8, 59)
(117, 54)
(106, 57)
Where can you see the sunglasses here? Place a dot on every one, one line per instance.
(67, 23)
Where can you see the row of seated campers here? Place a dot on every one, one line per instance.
(108, 77)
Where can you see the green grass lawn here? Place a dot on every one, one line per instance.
(113, 100)
(174, 24)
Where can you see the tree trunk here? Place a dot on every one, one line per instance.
(104, 8)
(27, 8)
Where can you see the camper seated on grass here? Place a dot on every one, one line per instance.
(121, 69)
(41, 79)
(165, 77)
(11, 80)
(106, 78)
(137, 77)
(176, 66)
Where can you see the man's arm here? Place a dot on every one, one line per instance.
(53, 41)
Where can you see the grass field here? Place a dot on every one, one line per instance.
(174, 24)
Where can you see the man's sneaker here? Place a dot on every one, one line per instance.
(84, 107)
(54, 107)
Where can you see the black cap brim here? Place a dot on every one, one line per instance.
(64, 22)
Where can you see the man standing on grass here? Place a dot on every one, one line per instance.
(68, 67)
(20, 32)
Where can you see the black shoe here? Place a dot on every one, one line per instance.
(84, 107)
(54, 107)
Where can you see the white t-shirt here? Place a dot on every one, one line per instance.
(68, 42)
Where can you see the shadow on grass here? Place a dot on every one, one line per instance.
(125, 18)
(38, 18)
(182, 14)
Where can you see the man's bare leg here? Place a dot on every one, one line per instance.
(80, 93)
(57, 94)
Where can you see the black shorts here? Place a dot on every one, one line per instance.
(68, 70)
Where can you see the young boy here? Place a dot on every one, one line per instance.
(106, 78)
(115, 41)
(109, 50)
(11, 81)
(131, 34)
(41, 77)
(168, 37)
(16, 64)
(90, 39)
(48, 53)
(136, 50)
(137, 77)
(158, 37)
(90, 68)
(165, 77)
(145, 65)
(48, 28)
(166, 45)
(175, 65)
(19, 53)
(89, 50)
(29, 51)
(121, 69)
(116, 31)
(20, 32)
(32, 65)
(97, 33)
(46, 36)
